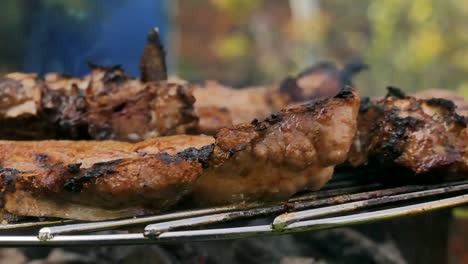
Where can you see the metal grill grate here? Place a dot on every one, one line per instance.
(345, 201)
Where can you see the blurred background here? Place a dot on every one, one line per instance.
(409, 44)
(413, 45)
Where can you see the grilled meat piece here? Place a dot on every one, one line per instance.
(133, 111)
(107, 104)
(96, 180)
(242, 105)
(91, 180)
(316, 82)
(293, 150)
(422, 135)
(20, 108)
(320, 81)
(212, 118)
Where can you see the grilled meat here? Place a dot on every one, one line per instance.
(422, 135)
(294, 149)
(234, 106)
(107, 104)
(316, 82)
(212, 118)
(320, 81)
(458, 100)
(95, 180)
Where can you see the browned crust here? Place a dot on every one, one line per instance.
(262, 160)
(107, 104)
(289, 151)
(422, 135)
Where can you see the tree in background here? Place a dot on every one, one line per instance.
(412, 44)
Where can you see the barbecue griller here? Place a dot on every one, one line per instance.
(346, 200)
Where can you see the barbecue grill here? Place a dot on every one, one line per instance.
(347, 200)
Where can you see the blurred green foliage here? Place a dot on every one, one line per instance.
(414, 45)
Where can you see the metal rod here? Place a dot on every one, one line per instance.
(289, 218)
(49, 232)
(247, 231)
(281, 221)
(367, 195)
(336, 192)
(33, 224)
(78, 240)
(242, 232)
(156, 229)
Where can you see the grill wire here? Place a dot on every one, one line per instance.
(347, 200)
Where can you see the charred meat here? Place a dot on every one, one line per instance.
(292, 150)
(458, 100)
(107, 104)
(320, 81)
(268, 160)
(421, 135)
(316, 82)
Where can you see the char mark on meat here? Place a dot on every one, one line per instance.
(425, 136)
(94, 180)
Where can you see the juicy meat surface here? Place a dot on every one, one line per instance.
(94, 180)
(292, 150)
(107, 104)
(422, 135)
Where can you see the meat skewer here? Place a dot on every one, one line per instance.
(270, 160)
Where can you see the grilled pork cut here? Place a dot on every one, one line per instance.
(420, 135)
(317, 82)
(268, 160)
(293, 150)
(107, 104)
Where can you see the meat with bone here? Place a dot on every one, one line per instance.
(292, 150)
(107, 104)
(421, 135)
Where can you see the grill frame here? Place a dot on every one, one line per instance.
(345, 201)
